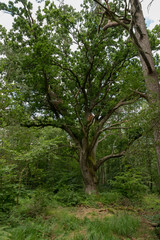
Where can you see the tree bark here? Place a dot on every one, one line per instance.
(87, 160)
(141, 40)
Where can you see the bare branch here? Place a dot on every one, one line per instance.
(101, 21)
(105, 137)
(123, 103)
(111, 24)
(98, 2)
(113, 126)
(149, 5)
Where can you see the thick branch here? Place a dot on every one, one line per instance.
(117, 155)
(116, 21)
(70, 132)
(113, 155)
(123, 103)
(108, 115)
(36, 124)
(47, 89)
(111, 24)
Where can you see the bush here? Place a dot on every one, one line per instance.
(110, 197)
(129, 184)
(69, 197)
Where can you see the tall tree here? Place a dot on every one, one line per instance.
(71, 77)
(130, 17)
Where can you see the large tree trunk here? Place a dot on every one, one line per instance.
(149, 72)
(87, 164)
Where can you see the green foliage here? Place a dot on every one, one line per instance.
(36, 203)
(69, 197)
(52, 63)
(68, 222)
(129, 183)
(39, 202)
(110, 197)
(8, 186)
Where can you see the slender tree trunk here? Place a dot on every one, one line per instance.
(87, 164)
(149, 72)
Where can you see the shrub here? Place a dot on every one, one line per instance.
(110, 197)
(69, 197)
(129, 184)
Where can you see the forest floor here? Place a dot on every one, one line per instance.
(90, 220)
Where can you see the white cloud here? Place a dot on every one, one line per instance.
(75, 3)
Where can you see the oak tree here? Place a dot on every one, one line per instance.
(69, 75)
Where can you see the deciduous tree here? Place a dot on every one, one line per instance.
(72, 77)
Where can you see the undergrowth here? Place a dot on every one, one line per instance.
(45, 217)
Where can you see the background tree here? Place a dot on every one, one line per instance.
(130, 17)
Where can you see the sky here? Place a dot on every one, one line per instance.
(152, 15)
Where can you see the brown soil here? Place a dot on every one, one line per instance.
(90, 213)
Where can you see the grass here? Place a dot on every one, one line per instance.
(94, 220)
(123, 224)
(110, 227)
(152, 202)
